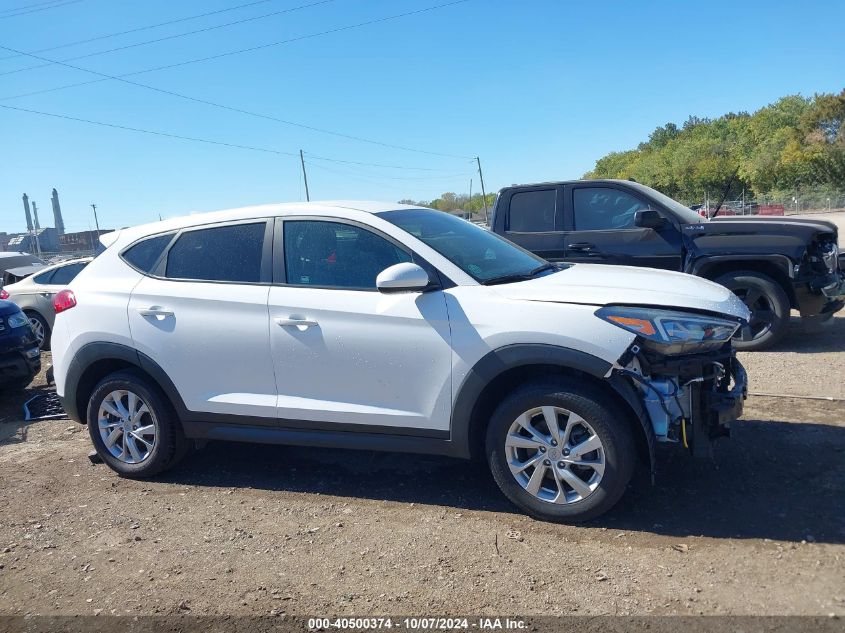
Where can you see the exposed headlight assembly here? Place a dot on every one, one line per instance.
(671, 332)
(18, 320)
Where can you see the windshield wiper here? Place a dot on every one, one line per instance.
(504, 279)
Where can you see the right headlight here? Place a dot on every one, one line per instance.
(18, 320)
(671, 332)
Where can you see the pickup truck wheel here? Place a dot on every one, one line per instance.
(560, 451)
(134, 429)
(769, 308)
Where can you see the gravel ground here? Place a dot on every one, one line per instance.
(241, 529)
(803, 364)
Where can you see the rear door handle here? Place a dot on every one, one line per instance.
(156, 311)
(295, 322)
(581, 246)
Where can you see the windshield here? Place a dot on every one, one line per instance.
(481, 254)
(685, 214)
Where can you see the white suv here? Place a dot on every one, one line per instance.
(379, 326)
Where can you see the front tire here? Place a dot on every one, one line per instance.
(133, 427)
(561, 450)
(769, 308)
(41, 330)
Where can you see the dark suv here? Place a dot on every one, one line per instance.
(773, 265)
(20, 357)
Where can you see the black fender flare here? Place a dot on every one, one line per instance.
(498, 361)
(92, 353)
(700, 264)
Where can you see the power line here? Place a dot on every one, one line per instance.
(167, 37)
(359, 172)
(355, 162)
(142, 28)
(203, 140)
(53, 6)
(29, 6)
(122, 78)
(195, 139)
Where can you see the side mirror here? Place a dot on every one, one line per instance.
(649, 219)
(404, 277)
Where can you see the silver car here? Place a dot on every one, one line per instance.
(34, 295)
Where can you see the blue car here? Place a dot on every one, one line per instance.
(20, 357)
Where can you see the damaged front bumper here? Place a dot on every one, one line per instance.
(822, 295)
(690, 399)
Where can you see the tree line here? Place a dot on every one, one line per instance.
(791, 147)
(787, 147)
(455, 202)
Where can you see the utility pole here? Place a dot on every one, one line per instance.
(37, 228)
(94, 240)
(483, 193)
(304, 176)
(96, 222)
(469, 204)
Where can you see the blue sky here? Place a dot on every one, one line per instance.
(538, 89)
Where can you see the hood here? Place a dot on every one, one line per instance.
(600, 284)
(806, 227)
(7, 308)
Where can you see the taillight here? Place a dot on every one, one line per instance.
(3, 294)
(64, 300)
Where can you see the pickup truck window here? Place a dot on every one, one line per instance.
(604, 208)
(532, 211)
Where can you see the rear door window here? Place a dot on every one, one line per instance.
(224, 253)
(532, 211)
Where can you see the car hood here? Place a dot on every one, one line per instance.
(806, 227)
(599, 284)
(7, 308)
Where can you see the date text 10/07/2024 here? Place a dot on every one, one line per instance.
(416, 623)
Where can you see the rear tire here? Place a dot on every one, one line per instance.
(583, 413)
(133, 427)
(769, 306)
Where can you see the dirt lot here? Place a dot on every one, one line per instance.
(242, 529)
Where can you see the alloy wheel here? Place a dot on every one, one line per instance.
(38, 330)
(127, 426)
(555, 455)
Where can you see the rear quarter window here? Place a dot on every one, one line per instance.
(144, 255)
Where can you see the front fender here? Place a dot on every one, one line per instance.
(503, 359)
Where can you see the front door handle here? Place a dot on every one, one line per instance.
(583, 247)
(156, 311)
(296, 322)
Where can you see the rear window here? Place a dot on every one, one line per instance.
(224, 253)
(144, 255)
(532, 211)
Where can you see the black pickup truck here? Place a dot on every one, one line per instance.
(773, 265)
